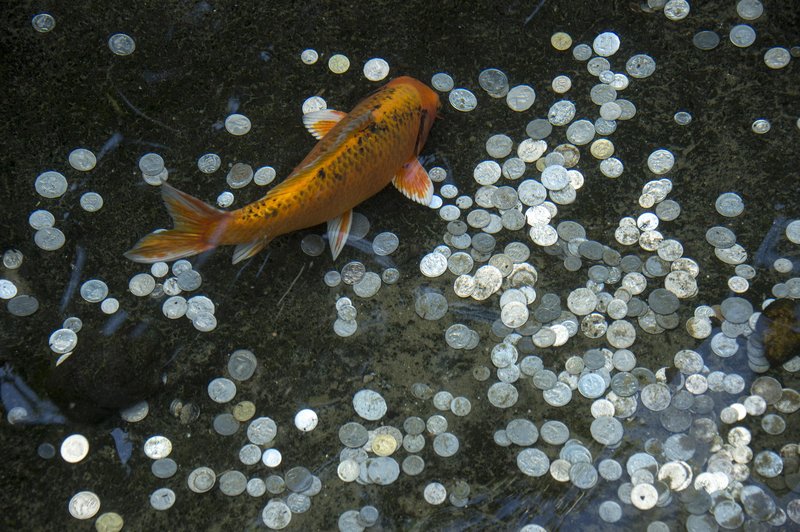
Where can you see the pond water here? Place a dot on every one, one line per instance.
(594, 323)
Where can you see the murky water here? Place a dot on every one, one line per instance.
(570, 335)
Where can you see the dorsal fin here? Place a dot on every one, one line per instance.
(319, 123)
(354, 125)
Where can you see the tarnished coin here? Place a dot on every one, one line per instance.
(202, 479)
(162, 499)
(109, 522)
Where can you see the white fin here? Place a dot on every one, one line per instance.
(247, 250)
(319, 123)
(338, 231)
(413, 181)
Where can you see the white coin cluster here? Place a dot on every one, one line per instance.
(198, 309)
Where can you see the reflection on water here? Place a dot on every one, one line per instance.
(595, 323)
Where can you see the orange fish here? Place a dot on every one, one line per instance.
(358, 154)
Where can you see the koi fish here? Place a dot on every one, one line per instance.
(357, 155)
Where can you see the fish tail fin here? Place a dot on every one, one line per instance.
(198, 227)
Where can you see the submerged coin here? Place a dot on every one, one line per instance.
(162, 499)
(74, 448)
(84, 505)
(369, 405)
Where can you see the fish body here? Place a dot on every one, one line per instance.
(358, 154)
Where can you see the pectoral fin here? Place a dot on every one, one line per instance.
(319, 123)
(338, 231)
(247, 250)
(413, 181)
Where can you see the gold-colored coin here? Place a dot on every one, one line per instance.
(244, 411)
(561, 41)
(602, 149)
(384, 445)
(109, 522)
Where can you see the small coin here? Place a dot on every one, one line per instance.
(74, 448)
(384, 444)
(202, 479)
(84, 505)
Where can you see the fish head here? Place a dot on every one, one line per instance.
(429, 103)
(428, 97)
